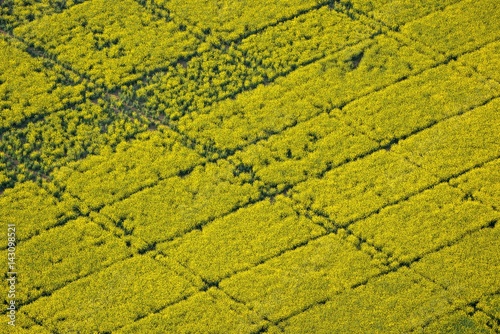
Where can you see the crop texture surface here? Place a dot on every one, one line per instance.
(295, 166)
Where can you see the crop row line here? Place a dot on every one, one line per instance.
(203, 289)
(475, 199)
(245, 35)
(234, 209)
(331, 298)
(149, 248)
(396, 34)
(191, 143)
(39, 52)
(377, 276)
(446, 118)
(230, 153)
(473, 68)
(330, 167)
(377, 23)
(386, 271)
(303, 244)
(63, 284)
(42, 53)
(236, 40)
(473, 304)
(237, 208)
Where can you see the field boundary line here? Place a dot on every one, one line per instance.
(405, 198)
(472, 304)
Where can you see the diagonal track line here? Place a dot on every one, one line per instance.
(303, 244)
(400, 37)
(207, 286)
(34, 52)
(277, 75)
(471, 67)
(384, 272)
(459, 308)
(236, 40)
(256, 141)
(365, 282)
(185, 138)
(475, 199)
(363, 155)
(268, 196)
(379, 23)
(250, 144)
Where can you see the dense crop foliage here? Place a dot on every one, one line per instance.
(403, 300)
(17, 12)
(112, 42)
(395, 13)
(293, 166)
(425, 222)
(224, 71)
(17, 205)
(29, 88)
(219, 21)
(110, 176)
(443, 29)
(305, 93)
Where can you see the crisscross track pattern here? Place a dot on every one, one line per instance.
(250, 167)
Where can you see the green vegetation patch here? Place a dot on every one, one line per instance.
(242, 239)
(9, 171)
(297, 279)
(207, 312)
(68, 135)
(112, 298)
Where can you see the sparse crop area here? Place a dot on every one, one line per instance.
(295, 166)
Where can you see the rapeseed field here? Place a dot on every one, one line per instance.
(293, 166)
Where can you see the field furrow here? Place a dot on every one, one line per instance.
(295, 166)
